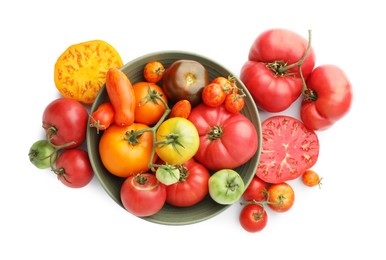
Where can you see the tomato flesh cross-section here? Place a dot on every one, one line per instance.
(288, 149)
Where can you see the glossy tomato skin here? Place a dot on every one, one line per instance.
(192, 186)
(42, 154)
(74, 168)
(226, 186)
(281, 197)
(65, 121)
(213, 95)
(120, 156)
(227, 140)
(185, 79)
(273, 90)
(103, 117)
(153, 71)
(256, 190)
(253, 218)
(181, 109)
(333, 97)
(149, 108)
(288, 149)
(142, 194)
(180, 140)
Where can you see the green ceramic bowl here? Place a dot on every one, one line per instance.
(170, 215)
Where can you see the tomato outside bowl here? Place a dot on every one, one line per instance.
(171, 215)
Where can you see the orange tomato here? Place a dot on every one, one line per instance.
(181, 109)
(149, 108)
(153, 71)
(123, 153)
(80, 70)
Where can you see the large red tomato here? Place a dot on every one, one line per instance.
(142, 194)
(328, 97)
(65, 122)
(227, 140)
(273, 85)
(288, 149)
(192, 186)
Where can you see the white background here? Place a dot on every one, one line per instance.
(42, 219)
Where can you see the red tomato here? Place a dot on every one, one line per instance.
(103, 117)
(281, 197)
(256, 190)
(65, 121)
(234, 102)
(253, 218)
(227, 140)
(288, 149)
(328, 98)
(213, 95)
(142, 194)
(273, 86)
(192, 186)
(73, 168)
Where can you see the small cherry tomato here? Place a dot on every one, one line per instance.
(213, 95)
(253, 218)
(181, 109)
(281, 197)
(103, 117)
(256, 190)
(227, 84)
(311, 178)
(234, 102)
(153, 71)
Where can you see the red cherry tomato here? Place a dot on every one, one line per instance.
(103, 117)
(234, 102)
(253, 218)
(213, 95)
(257, 190)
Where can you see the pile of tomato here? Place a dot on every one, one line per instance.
(280, 70)
(177, 136)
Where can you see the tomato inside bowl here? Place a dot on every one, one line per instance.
(171, 215)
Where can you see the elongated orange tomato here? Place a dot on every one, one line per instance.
(122, 97)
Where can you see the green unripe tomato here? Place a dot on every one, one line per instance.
(42, 154)
(226, 186)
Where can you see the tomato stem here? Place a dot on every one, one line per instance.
(283, 69)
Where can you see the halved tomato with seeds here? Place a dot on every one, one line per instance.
(80, 71)
(288, 149)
